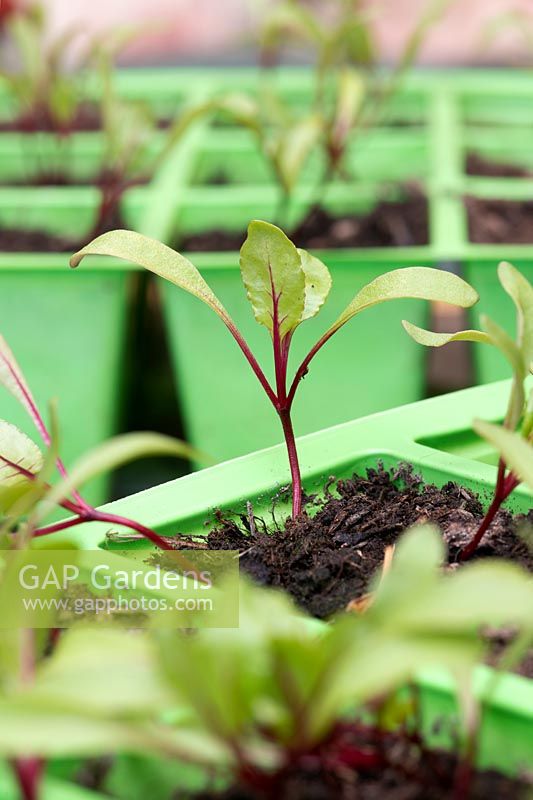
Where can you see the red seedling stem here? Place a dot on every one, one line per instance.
(28, 770)
(90, 514)
(86, 513)
(505, 485)
(278, 398)
(281, 399)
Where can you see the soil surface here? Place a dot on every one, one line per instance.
(327, 560)
(64, 179)
(18, 240)
(398, 223)
(44, 179)
(401, 771)
(310, 785)
(477, 165)
(499, 221)
(87, 119)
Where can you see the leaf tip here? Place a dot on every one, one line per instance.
(76, 259)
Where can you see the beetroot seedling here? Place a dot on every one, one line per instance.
(514, 441)
(350, 92)
(286, 286)
(129, 129)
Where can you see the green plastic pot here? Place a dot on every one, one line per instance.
(489, 114)
(436, 437)
(23, 157)
(378, 154)
(66, 330)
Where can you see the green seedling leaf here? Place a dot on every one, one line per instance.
(63, 101)
(516, 451)
(514, 356)
(527, 424)
(521, 292)
(493, 335)
(317, 283)
(517, 355)
(155, 257)
(350, 97)
(501, 339)
(293, 148)
(466, 595)
(25, 504)
(417, 558)
(423, 283)
(49, 731)
(243, 108)
(356, 37)
(273, 276)
(112, 454)
(432, 13)
(431, 339)
(16, 450)
(492, 592)
(293, 19)
(26, 33)
(58, 47)
(108, 45)
(88, 673)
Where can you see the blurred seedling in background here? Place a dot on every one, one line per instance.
(348, 92)
(514, 440)
(50, 90)
(134, 144)
(285, 136)
(517, 22)
(286, 286)
(46, 86)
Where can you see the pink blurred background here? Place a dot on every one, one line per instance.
(218, 30)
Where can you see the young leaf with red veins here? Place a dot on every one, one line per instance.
(18, 456)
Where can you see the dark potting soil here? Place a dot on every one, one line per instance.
(499, 221)
(44, 179)
(218, 178)
(477, 165)
(315, 784)
(392, 223)
(402, 771)
(327, 560)
(64, 179)
(87, 119)
(18, 240)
